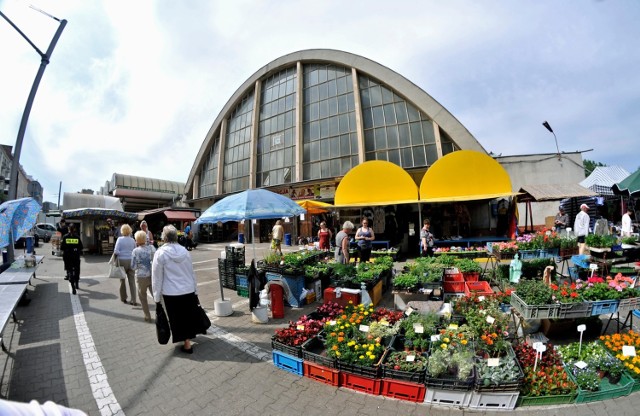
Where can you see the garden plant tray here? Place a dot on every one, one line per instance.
(546, 400)
(607, 390)
(387, 372)
(288, 363)
(454, 283)
(574, 310)
(287, 349)
(508, 386)
(534, 311)
(313, 350)
(627, 305)
(446, 382)
(601, 307)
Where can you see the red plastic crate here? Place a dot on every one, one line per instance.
(403, 390)
(359, 383)
(480, 288)
(453, 283)
(471, 276)
(322, 374)
(343, 300)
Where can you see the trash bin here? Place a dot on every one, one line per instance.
(241, 238)
(287, 239)
(277, 301)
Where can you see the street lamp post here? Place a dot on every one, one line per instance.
(548, 127)
(45, 57)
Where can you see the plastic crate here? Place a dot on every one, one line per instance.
(534, 311)
(288, 363)
(359, 370)
(601, 307)
(313, 350)
(607, 390)
(453, 283)
(287, 349)
(471, 276)
(509, 386)
(480, 288)
(322, 374)
(528, 254)
(242, 292)
(494, 400)
(361, 383)
(448, 397)
(546, 400)
(574, 310)
(636, 385)
(412, 376)
(627, 305)
(242, 280)
(403, 390)
(445, 382)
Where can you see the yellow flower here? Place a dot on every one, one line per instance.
(443, 346)
(357, 346)
(446, 340)
(337, 353)
(361, 357)
(371, 347)
(372, 357)
(366, 313)
(464, 342)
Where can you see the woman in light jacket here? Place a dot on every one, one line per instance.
(174, 282)
(124, 252)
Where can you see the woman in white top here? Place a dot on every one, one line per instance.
(626, 228)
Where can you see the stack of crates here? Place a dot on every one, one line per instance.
(242, 285)
(228, 267)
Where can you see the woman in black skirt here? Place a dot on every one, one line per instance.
(174, 281)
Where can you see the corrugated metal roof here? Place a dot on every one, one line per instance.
(603, 178)
(553, 192)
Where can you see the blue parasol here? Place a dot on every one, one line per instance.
(17, 217)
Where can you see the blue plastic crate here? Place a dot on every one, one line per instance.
(288, 363)
(272, 276)
(601, 307)
(242, 281)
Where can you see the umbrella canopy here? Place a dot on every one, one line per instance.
(16, 218)
(629, 186)
(98, 213)
(252, 204)
(314, 207)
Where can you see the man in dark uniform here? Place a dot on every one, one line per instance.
(71, 246)
(63, 230)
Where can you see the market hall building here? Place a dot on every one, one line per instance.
(299, 124)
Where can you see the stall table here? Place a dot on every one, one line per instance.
(470, 241)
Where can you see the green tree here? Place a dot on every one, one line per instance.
(590, 165)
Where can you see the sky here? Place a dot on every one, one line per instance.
(134, 86)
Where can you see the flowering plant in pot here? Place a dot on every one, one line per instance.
(330, 310)
(565, 293)
(534, 292)
(298, 332)
(397, 360)
(549, 378)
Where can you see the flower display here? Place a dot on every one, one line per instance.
(398, 361)
(298, 332)
(549, 378)
(614, 344)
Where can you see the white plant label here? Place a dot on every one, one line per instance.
(453, 326)
(435, 338)
(491, 319)
(332, 323)
(300, 327)
(411, 358)
(581, 365)
(493, 362)
(629, 350)
(481, 298)
(582, 328)
(418, 329)
(409, 311)
(364, 328)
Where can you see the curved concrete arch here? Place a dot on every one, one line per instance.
(423, 101)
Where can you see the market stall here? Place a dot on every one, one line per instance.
(97, 236)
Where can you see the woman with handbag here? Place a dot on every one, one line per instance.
(123, 251)
(174, 282)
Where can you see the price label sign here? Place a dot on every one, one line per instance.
(491, 319)
(435, 338)
(582, 328)
(364, 328)
(418, 329)
(453, 326)
(493, 362)
(409, 311)
(541, 347)
(628, 350)
(411, 358)
(581, 365)
(481, 298)
(385, 322)
(332, 323)
(300, 327)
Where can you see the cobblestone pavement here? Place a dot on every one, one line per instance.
(94, 353)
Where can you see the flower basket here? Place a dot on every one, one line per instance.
(287, 349)
(534, 311)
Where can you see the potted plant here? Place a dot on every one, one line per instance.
(469, 269)
(629, 242)
(534, 292)
(405, 281)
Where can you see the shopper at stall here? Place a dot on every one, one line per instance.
(364, 237)
(144, 227)
(561, 220)
(342, 243)
(324, 237)
(71, 246)
(626, 229)
(426, 239)
(581, 227)
(141, 259)
(277, 234)
(124, 252)
(174, 281)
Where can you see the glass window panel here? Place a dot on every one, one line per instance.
(427, 132)
(432, 154)
(313, 77)
(345, 149)
(446, 149)
(290, 86)
(288, 137)
(279, 158)
(404, 136)
(341, 85)
(387, 95)
(369, 140)
(331, 73)
(267, 95)
(334, 147)
(306, 132)
(315, 151)
(280, 122)
(323, 91)
(315, 170)
(332, 88)
(418, 156)
(315, 130)
(306, 152)
(274, 108)
(306, 171)
(392, 137)
(324, 149)
(289, 102)
(351, 102)
(313, 94)
(349, 82)
(378, 116)
(334, 128)
(307, 113)
(325, 169)
(354, 143)
(394, 156)
(414, 115)
(314, 109)
(345, 165)
(365, 98)
(352, 121)
(288, 119)
(282, 90)
(342, 104)
(401, 112)
(334, 167)
(407, 157)
(381, 155)
(324, 109)
(416, 133)
(322, 75)
(376, 95)
(380, 137)
(363, 81)
(324, 128)
(367, 118)
(281, 105)
(333, 106)
(389, 114)
(343, 120)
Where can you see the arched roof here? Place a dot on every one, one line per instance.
(423, 101)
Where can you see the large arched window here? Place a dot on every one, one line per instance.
(209, 171)
(330, 145)
(238, 147)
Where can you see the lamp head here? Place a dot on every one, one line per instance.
(547, 126)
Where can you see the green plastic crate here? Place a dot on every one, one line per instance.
(243, 292)
(546, 400)
(607, 390)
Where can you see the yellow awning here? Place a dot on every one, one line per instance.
(465, 175)
(376, 182)
(314, 207)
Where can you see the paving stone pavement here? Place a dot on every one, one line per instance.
(94, 353)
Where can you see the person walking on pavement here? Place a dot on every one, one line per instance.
(141, 259)
(145, 227)
(63, 230)
(124, 251)
(342, 243)
(174, 282)
(277, 233)
(581, 227)
(627, 228)
(71, 246)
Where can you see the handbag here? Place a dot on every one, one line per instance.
(163, 330)
(203, 319)
(115, 270)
